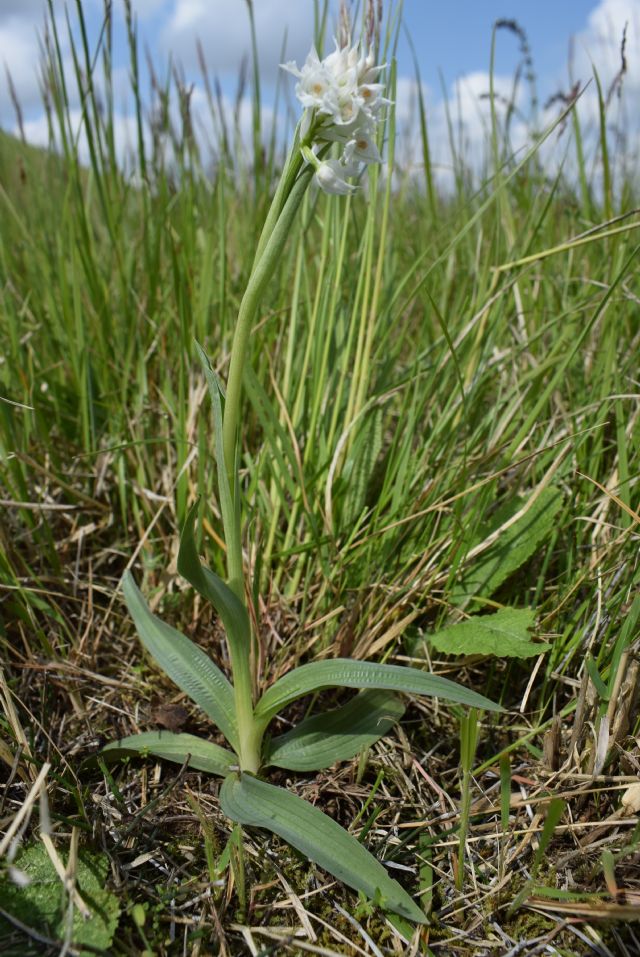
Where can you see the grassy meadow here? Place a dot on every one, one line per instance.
(440, 426)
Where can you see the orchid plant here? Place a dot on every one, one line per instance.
(343, 105)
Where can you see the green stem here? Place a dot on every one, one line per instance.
(274, 235)
(250, 731)
(262, 272)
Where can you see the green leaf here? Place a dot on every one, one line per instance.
(186, 664)
(229, 499)
(231, 610)
(42, 904)
(249, 801)
(347, 673)
(203, 755)
(513, 547)
(320, 741)
(594, 674)
(504, 634)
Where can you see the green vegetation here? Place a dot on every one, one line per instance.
(441, 424)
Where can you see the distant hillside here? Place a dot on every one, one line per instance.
(21, 164)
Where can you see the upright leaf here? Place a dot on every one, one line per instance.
(249, 801)
(347, 673)
(229, 501)
(231, 610)
(320, 741)
(186, 664)
(203, 755)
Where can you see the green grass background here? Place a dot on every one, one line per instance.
(411, 392)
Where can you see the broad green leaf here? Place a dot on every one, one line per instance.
(203, 755)
(42, 905)
(347, 673)
(186, 664)
(512, 548)
(320, 741)
(231, 610)
(504, 634)
(249, 801)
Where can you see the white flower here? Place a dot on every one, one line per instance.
(342, 99)
(340, 86)
(314, 84)
(357, 138)
(331, 177)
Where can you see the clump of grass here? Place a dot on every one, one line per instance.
(484, 352)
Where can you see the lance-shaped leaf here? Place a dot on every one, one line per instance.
(320, 741)
(514, 545)
(231, 610)
(186, 664)
(347, 673)
(229, 498)
(249, 801)
(203, 755)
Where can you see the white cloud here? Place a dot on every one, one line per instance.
(599, 45)
(602, 37)
(469, 105)
(467, 108)
(222, 28)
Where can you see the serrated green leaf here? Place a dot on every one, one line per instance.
(249, 801)
(513, 547)
(186, 664)
(42, 904)
(203, 755)
(231, 610)
(320, 741)
(504, 634)
(347, 673)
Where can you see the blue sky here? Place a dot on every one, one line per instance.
(455, 37)
(452, 42)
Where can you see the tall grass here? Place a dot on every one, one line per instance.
(433, 357)
(408, 368)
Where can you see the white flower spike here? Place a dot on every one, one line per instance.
(342, 101)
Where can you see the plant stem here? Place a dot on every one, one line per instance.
(275, 232)
(260, 276)
(250, 731)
